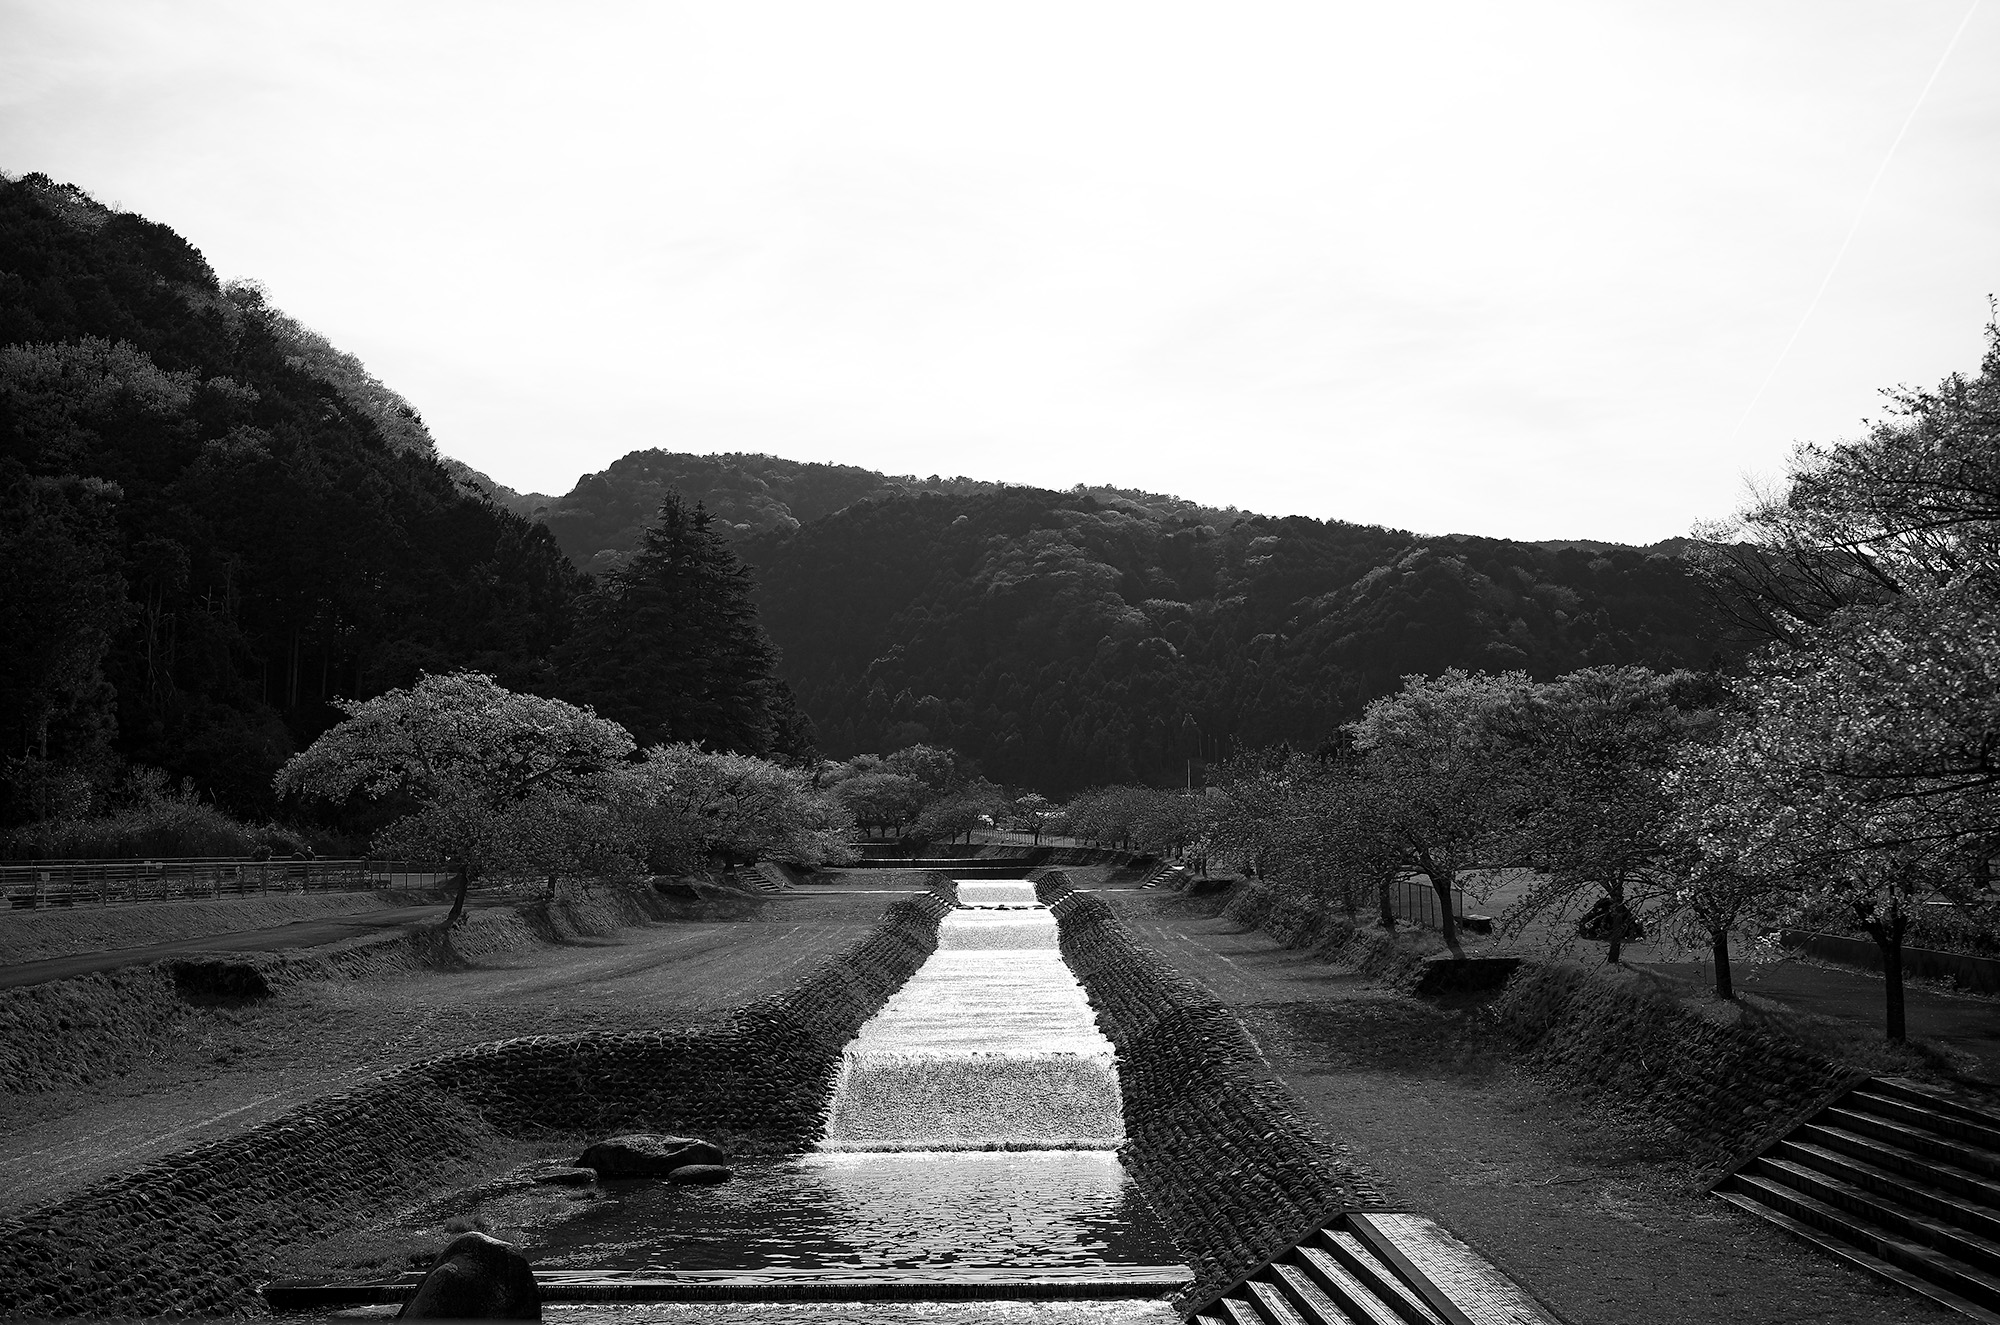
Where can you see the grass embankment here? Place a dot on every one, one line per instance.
(1584, 1195)
(110, 1071)
(29, 936)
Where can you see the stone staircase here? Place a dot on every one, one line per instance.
(1375, 1267)
(1896, 1179)
(764, 877)
(1165, 872)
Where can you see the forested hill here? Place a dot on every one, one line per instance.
(599, 521)
(1065, 640)
(214, 520)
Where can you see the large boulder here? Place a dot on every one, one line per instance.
(476, 1278)
(642, 1155)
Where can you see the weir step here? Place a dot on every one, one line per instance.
(1896, 1179)
(1375, 1267)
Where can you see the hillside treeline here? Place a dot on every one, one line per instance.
(1068, 640)
(214, 522)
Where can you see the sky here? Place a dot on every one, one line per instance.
(1534, 270)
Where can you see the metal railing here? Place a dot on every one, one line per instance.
(44, 883)
(1415, 902)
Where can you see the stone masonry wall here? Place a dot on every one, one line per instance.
(185, 1235)
(1218, 1144)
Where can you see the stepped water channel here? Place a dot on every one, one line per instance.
(971, 1146)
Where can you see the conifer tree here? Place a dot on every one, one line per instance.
(668, 646)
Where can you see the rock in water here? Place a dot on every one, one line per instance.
(644, 1156)
(705, 1174)
(476, 1278)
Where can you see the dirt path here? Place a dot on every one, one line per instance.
(1592, 1212)
(229, 1068)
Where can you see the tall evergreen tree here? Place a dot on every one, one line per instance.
(668, 646)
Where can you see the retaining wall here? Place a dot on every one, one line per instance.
(186, 1235)
(1217, 1143)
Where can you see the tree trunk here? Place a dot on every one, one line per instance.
(1892, 980)
(1441, 880)
(1888, 936)
(1617, 920)
(1386, 902)
(1447, 922)
(1725, 987)
(458, 903)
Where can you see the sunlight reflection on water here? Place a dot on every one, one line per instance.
(932, 1213)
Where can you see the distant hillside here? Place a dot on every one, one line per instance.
(1064, 640)
(215, 521)
(600, 518)
(1103, 634)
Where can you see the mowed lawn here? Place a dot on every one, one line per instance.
(225, 1069)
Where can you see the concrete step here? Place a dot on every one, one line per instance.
(1984, 1110)
(1978, 1133)
(1933, 1201)
(1969, 1184)
(1315, 1305)
(1941, 1233)
(1924, 1262)
(1349, 1292)
(1376, 1267)
(1916, 1138)
(1381, 1282)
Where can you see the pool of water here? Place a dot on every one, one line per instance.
(915, 1214)
(1116, 1311)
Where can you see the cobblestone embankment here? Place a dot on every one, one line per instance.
(1219, 1145)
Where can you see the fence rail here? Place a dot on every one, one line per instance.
(30, 884)
(1415, 902)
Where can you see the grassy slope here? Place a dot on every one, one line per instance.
(27, 936)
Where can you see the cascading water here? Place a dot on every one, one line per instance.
(972, 1136)
(990, 1046)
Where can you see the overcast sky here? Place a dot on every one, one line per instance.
(1527, 269)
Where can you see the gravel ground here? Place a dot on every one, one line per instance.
(1593, 1213)
(229, 1068)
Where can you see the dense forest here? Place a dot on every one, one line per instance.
(1068, 640)
(216, 523)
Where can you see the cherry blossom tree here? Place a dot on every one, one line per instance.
(474, 758)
